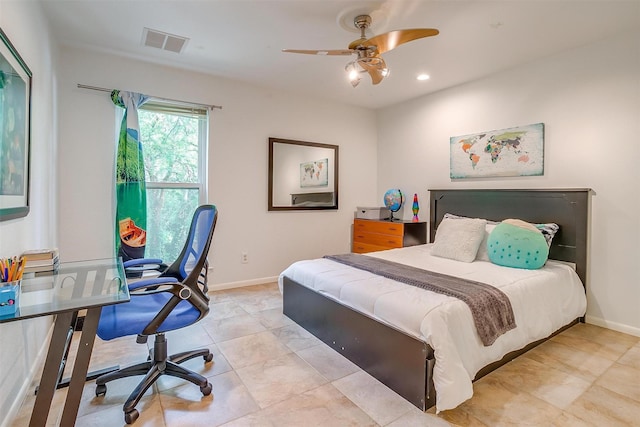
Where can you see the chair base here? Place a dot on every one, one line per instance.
(152, 370)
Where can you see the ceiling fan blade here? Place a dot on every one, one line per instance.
(338, 52)
(376, 70)
(387, 41)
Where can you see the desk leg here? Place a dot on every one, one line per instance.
(80, 367)
(66, 350)
(62, 383)
(49, 378)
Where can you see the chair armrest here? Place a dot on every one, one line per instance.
(136, 267)
(152, 282)
(141, 261)
(178, 290)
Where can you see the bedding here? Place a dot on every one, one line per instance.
(543, 301)
(490, 307)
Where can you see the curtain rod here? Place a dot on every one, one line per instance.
(103, 89)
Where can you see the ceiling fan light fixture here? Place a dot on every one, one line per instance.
(353, 72)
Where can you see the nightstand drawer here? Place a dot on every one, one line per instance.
(384, 240)
(363, 248)
(382, 227)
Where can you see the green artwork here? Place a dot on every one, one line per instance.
(131, 198)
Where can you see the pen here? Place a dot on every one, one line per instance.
(21, 265)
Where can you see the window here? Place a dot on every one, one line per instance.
(174, 144)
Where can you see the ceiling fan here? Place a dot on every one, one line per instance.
(369, 51)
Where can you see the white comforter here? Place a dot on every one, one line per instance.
(543, 301)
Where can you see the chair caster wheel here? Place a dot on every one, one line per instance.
(208, 357)
(101, 390)
(131, 417)
(206, 390)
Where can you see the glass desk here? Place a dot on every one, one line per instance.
(75, 286)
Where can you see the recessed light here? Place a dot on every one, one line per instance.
(423, 77)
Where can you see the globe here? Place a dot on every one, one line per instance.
(393, 199)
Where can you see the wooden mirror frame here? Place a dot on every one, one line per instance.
(307, 200)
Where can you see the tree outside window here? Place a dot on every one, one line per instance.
(174, 141)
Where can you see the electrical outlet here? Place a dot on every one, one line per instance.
(244, 257)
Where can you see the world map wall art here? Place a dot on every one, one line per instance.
(517, 151)
(314, 174)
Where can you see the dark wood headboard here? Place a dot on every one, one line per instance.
(569, 208)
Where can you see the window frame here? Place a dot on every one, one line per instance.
(202, 114)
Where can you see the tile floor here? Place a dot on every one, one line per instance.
(268, 371)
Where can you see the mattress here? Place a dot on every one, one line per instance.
(543, 301)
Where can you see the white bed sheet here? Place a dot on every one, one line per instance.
(543, 301)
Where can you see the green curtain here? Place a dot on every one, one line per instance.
(131, 197)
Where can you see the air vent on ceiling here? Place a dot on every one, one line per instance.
(164, 41)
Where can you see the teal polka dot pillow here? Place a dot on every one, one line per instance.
(517, 244)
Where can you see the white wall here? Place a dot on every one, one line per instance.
(238, 163)
(22, 341)
(589, 101)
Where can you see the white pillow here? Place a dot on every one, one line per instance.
(482, 254)
(453, 216)
(459, 239)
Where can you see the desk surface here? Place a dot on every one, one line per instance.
(74, 286)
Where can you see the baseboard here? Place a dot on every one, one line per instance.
(242, 283)
(620, 327)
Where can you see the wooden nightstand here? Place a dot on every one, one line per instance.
(371, 235)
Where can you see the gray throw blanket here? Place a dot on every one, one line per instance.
(490, 307)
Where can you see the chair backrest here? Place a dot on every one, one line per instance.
(192, 262)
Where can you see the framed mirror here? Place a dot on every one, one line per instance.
(302, 175)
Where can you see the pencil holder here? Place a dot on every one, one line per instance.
(9, 297)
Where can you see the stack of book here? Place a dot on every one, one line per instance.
(40, 260)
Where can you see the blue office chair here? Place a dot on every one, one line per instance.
(175, 299)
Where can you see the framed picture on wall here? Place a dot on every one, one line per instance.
(517, 151)
(314, 174)
(15, 126)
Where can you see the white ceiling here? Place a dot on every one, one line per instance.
(242, 39)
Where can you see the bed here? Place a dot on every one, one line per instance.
(408, 359)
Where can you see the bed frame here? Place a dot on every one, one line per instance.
(402, 362)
